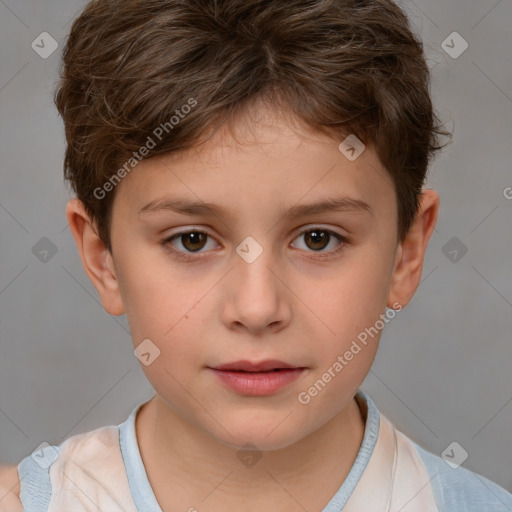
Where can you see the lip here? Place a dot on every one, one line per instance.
(249, 366)
(257, 378)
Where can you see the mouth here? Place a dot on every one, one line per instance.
(257, 378)
(269, 365)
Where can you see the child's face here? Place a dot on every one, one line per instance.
(293, 303)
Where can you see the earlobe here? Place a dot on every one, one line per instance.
(411, 252)
(96, 259)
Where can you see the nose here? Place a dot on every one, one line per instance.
(257, 298)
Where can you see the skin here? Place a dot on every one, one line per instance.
(293, 303)
(9, 490)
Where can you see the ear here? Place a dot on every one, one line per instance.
(96, 259)
(411, 252)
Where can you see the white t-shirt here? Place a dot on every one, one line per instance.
(103, 470)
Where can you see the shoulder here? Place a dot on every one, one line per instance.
(91, 462)
(9, 489)
(457, 489)
(48, 470)
(448, 487)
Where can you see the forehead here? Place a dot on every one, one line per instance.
(261, 161)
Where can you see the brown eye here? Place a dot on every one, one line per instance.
(194, 241)
(317, 239)
(320, 239)
(190, 241)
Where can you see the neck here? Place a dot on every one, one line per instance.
(198, 463)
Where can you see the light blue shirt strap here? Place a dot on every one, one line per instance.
(461, 490)
(141, 490)
(35, 486)
(371, 432)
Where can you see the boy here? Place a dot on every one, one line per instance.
(290, 142)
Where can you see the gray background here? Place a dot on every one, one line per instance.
(443, 370)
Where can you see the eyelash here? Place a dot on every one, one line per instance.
(166, 243)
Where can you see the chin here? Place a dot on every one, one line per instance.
(265, 438)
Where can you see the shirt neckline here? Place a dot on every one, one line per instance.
(144, 497)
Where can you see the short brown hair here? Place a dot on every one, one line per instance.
(340, 66)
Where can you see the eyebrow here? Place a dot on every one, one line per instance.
(187, 207)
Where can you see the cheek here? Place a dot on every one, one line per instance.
(169, 308)
(164, 309)
(154, 294)
(352, 298)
